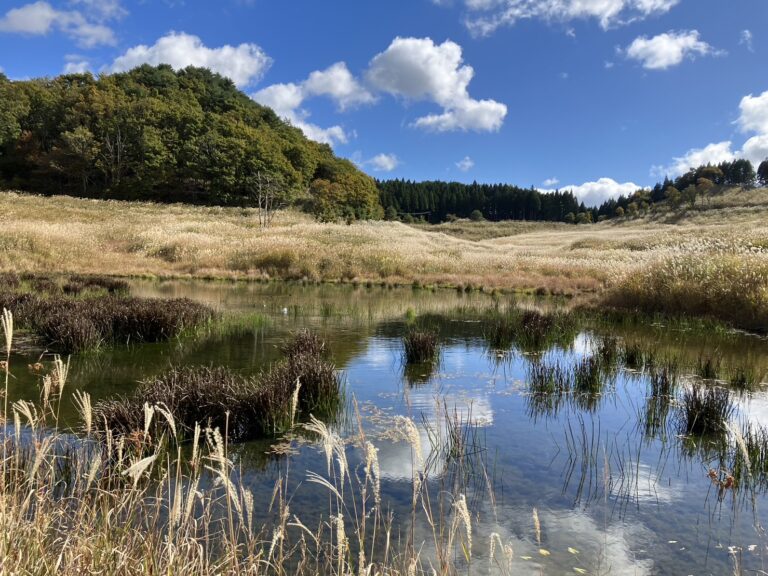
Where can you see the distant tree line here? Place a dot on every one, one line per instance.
(171, 136)
(437, 201)
(687, 189)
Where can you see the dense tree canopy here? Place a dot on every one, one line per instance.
(439, 201)
(153, 133)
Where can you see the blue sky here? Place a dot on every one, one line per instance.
(599, 95)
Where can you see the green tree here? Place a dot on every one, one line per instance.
(689, 195)
(674, 196)
(80, 151)
(476, 215)
(619, 212)
(705, 187)
(584, 218)
(762, 172)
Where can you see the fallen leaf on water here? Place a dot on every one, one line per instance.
(672, 542)
(526, 557)
(544, 552)
(573, 551)
(579, 570)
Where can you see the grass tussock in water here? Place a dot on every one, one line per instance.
(705, 410)
(81, 313)
(265, 405)
(420, 346)
(530, 330)
(708, 366)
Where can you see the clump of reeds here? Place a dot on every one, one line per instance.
(662, 387)
(246, 407)
(74, 324)
(545, 379)
(587, 376)
(708, 367)
(530, 330)
(80, 283)
(632, 356)
(663, 380)
(420, 346)
(743, 380)
(549, 388)
(608, 350)
(705, 410)
(726, 286)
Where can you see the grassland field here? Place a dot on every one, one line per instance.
(702, 260)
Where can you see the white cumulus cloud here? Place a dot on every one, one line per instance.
(550, 182)
(668, 49)
(595, 193)
(76, 64)
(415, 69)
(711, 154)
(465, 164)
(335, 82)
(243, 64)
(338, 83)
(753, 119)
(384, 162)
(40, 18)
(419, 69)
(486, 16)
(754, 113)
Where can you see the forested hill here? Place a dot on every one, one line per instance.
(153, 133)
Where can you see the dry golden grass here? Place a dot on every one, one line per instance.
(484, 230)
(62, 234)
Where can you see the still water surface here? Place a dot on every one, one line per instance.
(612, 496)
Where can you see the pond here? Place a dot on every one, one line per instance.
(603, 483)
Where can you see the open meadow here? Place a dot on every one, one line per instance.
(711, 260)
